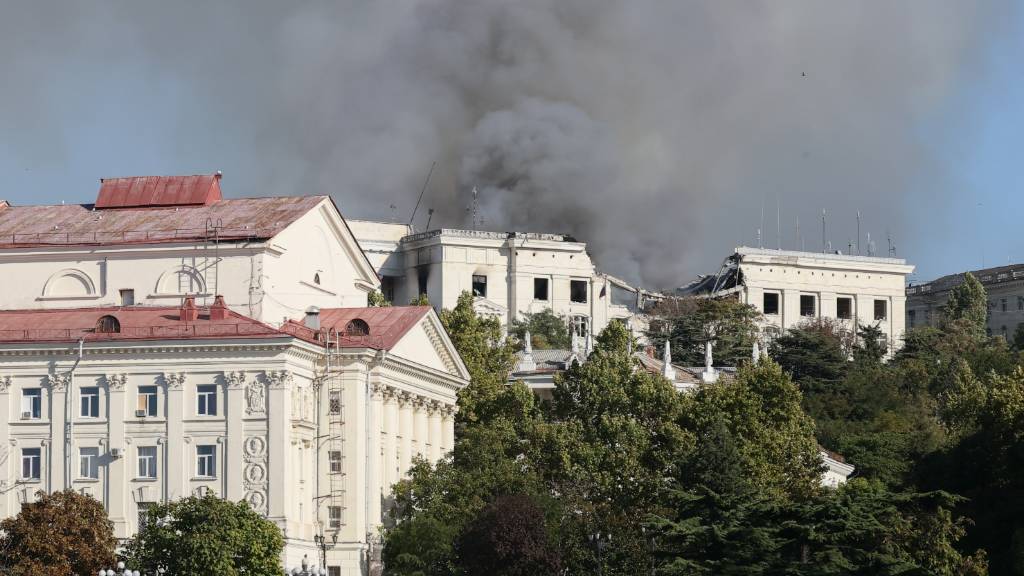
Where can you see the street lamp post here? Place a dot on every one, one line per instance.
(599, 542)
(121, 571)
(321, 543)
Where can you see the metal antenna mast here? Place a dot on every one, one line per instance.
(430, 216)
(858, 232)
(824, 243)
(422, 190)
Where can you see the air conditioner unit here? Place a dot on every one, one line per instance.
(26, 415)
(115, 452)
(140, 413)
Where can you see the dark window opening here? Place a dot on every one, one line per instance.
(881, 312)
(108, 325)
(422, 281)
(387, 288)
(578, 291)
(844, 308)
(807, 305)
(771, 303)
(357, 327)
(540, 289)
(1002, 304)
(127, 297)
(479, 285)
(316, 278)
(910, 316)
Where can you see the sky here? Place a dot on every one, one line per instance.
(657, 132)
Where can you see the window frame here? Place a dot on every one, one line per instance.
(884, 314)
(151, 395)
(546, 283)
(206, 400)
(334, 517)
(814, 306)
(335, 403)
(88, 463)
(764, 303)
(479, 280)
(31, 454)
(150, 457)
(206, 461)
(849, 312)
(89, 396)
(32, 398)
(130, 293)
(335, 465)
(574, 292)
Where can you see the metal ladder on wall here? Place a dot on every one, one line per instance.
(334, 439)
(211, 256)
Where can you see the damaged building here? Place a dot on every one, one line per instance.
(790, 287)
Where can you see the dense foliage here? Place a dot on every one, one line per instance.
(689, 323)
(547, 330)
(206, 535)
(63, 534)
(725, 480)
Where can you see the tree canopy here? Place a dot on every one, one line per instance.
(690, 322)
(547, 330)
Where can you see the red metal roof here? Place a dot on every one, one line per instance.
(387, 324)
(80, 225)
(136, 323)
(150, 191)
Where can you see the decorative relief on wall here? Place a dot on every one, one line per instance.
(174, 380)
(234, 379)
(116, 381)
(279, 379)
(303, 403)
(255, 397)
(255, 474)
(58, 382)
(5, 384)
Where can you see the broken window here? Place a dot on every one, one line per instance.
(540, 289)
(807, 305)
(771, 303)
(479, 285)
(127, 297)
(844, 308)
(578, 291)
(422, 281)
(880, 310)
(580, 326)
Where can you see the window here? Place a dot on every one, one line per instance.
(334, 402)
(357, 327)
(770, 303)
(206, 461)
(844, 308)
(90, 400)
(540, 289)
(578, 291)
(1020, 303)
(881, 312)
(807, 305)
(206, 397)
(334, 516)
(146, 405)
(334, 571)
(1002, 304)
(911, 314)
(127, 297)
(580, 326)
(143, 508)
(147, 462)
(89, 463)
(31, 458)
(108, 325)
(31, 404)
(421, 280)
(479, 285)
(335, 459)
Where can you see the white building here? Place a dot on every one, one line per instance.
(791, 287)
(311, 420)
(1004, 286)
(510, 273)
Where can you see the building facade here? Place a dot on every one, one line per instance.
(310, 416)
(1004, 286)
(790, 288)
(509, 273)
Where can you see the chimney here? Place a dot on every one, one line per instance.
(219, 310)
(189, 312)
(312, 320)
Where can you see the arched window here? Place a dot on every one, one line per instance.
(357, 327)
(108, 325)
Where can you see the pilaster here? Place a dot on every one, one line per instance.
(117, 469)
(279, 443)
(234, 412)
(176, 465)
(58, 465)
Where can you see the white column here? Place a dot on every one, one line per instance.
(8, 453)
(448, 426)
(389, 432)
(374, 483)
(279, 441)
(117, 469)
(435, 428)
(234, 461)
(177, 465)
(421, 434)
(405, 429)
(56, 471)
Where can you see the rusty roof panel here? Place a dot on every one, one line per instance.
(81, 225)
(151, 191)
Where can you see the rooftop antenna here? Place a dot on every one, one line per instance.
(760, 239)
(871, 247)
(799, 238)
(430, 216)
(824, 243)
(394, 216)
(892, 249)
(778, 223)
(858, 234)
(475, 207)
(422, 190)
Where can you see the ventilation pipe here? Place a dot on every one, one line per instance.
(312, 320)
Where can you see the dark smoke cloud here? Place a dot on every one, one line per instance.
(653, 130)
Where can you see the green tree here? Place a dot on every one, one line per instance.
(207, 534)
(420, 300)
(509, 537)
(63, 534)
(547, 330)
(815, 354)
(376, 299)
(969, 303)
(689, 323)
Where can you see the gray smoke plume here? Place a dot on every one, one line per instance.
(656, 131)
